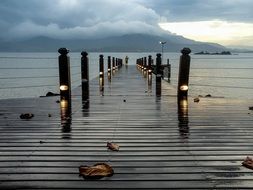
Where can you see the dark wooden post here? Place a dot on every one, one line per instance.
(158, 75)
(145, 63)
(101, 69)
(169, 69)
(183, 76)
(109, 68)
(116, 63)
(64, 74)
(149, 70)
(113, 63)
(85, 75)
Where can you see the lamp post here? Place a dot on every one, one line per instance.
(162, 43)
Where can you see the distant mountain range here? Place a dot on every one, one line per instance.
(125, 43)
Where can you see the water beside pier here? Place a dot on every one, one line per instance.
(34, 74)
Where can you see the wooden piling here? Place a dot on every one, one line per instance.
(158, 75)
(183, 76)
(64, 74)
(85, 75)
(149, 68)
(101, 70)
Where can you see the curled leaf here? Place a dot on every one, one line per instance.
(112, 146)
(196, 100)
(251, 108)
(26, 116)
(97, 171)
(248, 162)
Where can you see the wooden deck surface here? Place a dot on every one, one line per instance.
(198, 146)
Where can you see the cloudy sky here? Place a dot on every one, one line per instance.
(228, 22)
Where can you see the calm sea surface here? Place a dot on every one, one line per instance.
(34, 74)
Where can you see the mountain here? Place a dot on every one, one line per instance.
(125, 43)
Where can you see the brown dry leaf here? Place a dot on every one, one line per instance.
(196, 99)
(112, 146)
(248, 162)
(97, 171)
(26, 116)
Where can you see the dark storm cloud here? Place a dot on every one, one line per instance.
(99, 18)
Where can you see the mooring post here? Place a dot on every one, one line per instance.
(116, 63)
(109, 68)
(64, 74)
(158, 75)
(169, 69)
(183, 76)
(149, 70)
(101, 70)
(113, 63)
(85, 75)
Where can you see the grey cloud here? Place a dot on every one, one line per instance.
(100, 18)
(75, 18)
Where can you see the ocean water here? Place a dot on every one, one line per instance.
(34, 74)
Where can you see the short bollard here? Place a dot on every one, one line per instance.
(183, 76)
(158, 75)
(85, 75)
(64, 74)
(101, 70)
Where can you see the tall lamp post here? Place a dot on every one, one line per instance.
(162, 43)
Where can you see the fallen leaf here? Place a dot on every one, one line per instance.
(248, 162)
(251, 108)
(26, 116)
(196, 100)
(112, 146)
(97, 171)
(208, 95)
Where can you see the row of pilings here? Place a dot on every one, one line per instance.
(147, 68)
(113, 65)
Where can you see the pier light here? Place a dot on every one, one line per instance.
(64, 87)
(184, 88)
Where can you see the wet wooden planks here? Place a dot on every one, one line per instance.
(162, 146)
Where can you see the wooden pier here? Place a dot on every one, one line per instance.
(162, 145)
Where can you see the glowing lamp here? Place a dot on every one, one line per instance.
(184, 88)
(64, 87)
(101, 73)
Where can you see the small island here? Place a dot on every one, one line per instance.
(208, 53)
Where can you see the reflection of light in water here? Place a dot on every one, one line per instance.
(65, 117)
(150, 82)
(183, 118)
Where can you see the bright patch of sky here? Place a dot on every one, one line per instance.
(218, 31)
